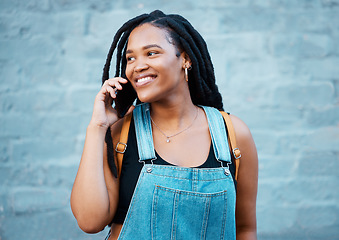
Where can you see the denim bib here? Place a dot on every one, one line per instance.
(177, 203)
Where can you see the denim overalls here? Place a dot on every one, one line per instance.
(171, 202)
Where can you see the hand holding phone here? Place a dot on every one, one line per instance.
(104, 115)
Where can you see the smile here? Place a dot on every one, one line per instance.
(144, 81)
(141, 80)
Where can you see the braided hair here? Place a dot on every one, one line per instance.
(185, 38)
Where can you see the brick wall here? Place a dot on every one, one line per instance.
(277, 66)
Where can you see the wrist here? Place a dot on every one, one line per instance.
(94, 127)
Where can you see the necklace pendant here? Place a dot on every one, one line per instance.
(167, 140)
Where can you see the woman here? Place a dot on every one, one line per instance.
(175, 180)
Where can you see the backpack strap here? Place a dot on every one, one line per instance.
(122, 144)
(232, 140)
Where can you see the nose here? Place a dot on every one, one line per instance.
(140, 65)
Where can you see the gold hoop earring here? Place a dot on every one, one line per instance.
(186, 74)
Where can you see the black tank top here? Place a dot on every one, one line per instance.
(131, 168)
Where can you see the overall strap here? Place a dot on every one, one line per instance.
(143, 130)
(218, 134)
(122, 144)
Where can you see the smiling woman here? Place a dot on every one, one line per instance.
(180, 176)
(151, 61)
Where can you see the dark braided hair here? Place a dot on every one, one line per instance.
(185, 38)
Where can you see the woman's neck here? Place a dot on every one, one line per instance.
(173, 115)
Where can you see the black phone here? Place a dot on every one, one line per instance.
(125, 99)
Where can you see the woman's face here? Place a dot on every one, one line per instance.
(153, 67)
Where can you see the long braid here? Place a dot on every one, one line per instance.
(207, 79)
(195, 86)
(202, 85)
(211, 89)
(210, 80)
(197, 39)
(181, 31)
(119, 52)
(202, 46)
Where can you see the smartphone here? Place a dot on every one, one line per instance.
(125, 99)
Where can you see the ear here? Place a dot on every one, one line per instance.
(186, 61)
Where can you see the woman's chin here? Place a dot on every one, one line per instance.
(146, 96)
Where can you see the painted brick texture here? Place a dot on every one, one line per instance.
(277, 66)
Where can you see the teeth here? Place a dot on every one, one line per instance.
(144, 79)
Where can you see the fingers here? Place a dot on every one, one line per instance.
(111, 91)
(115, 82)
(112, 85)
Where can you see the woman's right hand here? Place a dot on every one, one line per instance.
(94, 197)
(104, 115)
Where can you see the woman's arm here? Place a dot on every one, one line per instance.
(247, 184)
(94, 195)
(95, 191)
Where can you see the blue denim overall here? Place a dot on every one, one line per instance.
(171, 202)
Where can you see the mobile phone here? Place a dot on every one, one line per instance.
(125, 99)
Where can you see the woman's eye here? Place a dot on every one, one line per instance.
(151, 53)
(130, 59)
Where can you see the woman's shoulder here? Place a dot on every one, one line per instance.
(242, 131)
(244, 140)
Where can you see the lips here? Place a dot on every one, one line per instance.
(144, 80)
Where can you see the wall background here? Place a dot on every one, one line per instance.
(277, 65)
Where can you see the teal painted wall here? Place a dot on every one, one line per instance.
(277, 66)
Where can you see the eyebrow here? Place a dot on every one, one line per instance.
(145, 47)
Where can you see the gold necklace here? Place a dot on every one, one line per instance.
(168, 137)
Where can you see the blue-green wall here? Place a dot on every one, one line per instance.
(277, 66)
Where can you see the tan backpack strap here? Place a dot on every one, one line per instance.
(122, 144)
(233, 143)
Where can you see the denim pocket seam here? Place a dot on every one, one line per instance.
(191, 193)
(229, 177)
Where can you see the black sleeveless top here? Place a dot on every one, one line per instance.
(131, 168)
